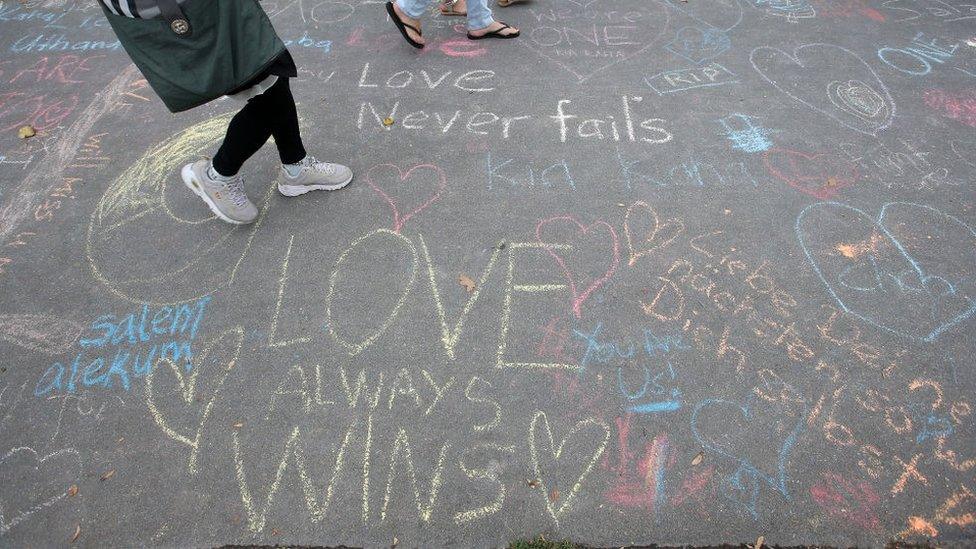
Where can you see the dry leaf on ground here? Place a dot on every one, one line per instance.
(698, 459)
(73, 491)
(108, 474)
(387, 121)
(759, 543)
(554, 496)
(466, 282)
(74, 537)
(26, 131)
(534, 483)
(238, 425)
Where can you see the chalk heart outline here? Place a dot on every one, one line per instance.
(188, 389)
(747, 470)
(557, 452)
(822, 82)
(798, 180)
(5, 523)
(934, 329)
(400, 219)
(650, 242)
(579, 297)
(582, 76)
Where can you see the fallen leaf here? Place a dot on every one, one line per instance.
(698, 459)
(465, 281)
(74, 537)
(108, 474)
(554, 495)
(73, 491)
(26, 131)
(759, 543)
(275, 532)
(621, 204)
(387, 122)
(831, 182)
(120, 440)
(534, 483)
(395, 541)
(238, 425)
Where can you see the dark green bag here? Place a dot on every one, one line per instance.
(215, 48)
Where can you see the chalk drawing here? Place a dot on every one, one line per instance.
(354, 348)
(746, 481)
(273, 330)
(821, 175)
(490, 473)
(915, 300)
(585, 41)
(578, 286)
(511, 288)
(220, 355)
(744, 134)
(642, 220)
(566, 498)
(708, 76)
(402, 446)
(698, 45)
(850, 92)
(135, 204)
(63, 465)
(449, 337)
(393, 194)
(46, 334)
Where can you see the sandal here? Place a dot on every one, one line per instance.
(402, 27)
(506, 3)
(495, 33)
(447, 8)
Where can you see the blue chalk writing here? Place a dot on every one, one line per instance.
(42, 43)
(139, 340)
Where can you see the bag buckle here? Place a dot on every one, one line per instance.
(180, 26)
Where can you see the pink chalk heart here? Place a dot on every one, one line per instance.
(565, 244)
(418, 187)
(818, 175)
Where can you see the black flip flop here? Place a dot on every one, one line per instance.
(402, 27)
(495, 33)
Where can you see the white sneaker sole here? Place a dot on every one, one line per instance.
(298, 190)
(192, 183)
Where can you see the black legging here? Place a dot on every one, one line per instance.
(272, 113)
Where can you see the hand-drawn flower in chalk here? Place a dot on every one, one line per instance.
(830, 80)
(697, 45)
(907, 271)
(757, 440)
(32, 483)
(859, 99)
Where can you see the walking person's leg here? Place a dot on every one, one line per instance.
(272, 113)
(218, 182)
(406, 16)
(481, 24)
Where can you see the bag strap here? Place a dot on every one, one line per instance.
(172, 12)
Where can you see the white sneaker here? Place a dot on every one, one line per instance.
(226, 199)
(314, 176)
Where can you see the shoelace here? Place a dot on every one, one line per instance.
(326, 167)
(235, 188)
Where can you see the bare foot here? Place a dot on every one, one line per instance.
(459, 8)
(494, 26)
(410, 21)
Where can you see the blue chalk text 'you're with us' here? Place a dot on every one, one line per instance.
(117, 349)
